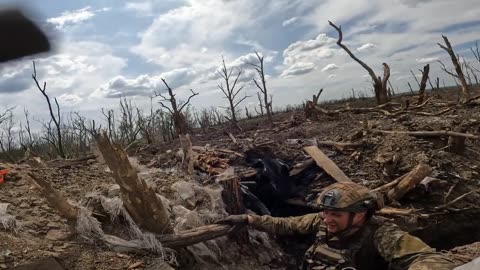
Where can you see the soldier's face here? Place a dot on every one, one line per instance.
(337, 221)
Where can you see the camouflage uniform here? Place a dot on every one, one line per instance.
(375, 245)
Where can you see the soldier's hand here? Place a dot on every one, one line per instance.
(234, 220)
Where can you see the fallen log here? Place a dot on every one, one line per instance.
(340, 145)
(141, 201)
(203, 149)
(391, 211)
(326, 164)
(410, 181)
(173, 241)
(438, 133)
(380, 109)
(193, 236)
(65, 163)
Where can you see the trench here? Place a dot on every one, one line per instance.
(452, 230)
(441, 231)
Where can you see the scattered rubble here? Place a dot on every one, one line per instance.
(151, 211)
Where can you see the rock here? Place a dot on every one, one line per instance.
(53, 225)
(24, 205)
(3, 266)
(57, 235)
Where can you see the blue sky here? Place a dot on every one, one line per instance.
(106, 49)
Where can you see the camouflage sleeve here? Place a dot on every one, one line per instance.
(406, 252)
(287, 226)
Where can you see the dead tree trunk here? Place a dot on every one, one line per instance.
(458, 69)
(260, 104)
(379, 84)
(310, 105)
(423, 84)
(141, 201)
(233, 199)
(56, 199)
(179, 119)
(55, 119)
(229, 89)
(456, 144)
(263, 87)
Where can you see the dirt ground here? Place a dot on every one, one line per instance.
(41, 232)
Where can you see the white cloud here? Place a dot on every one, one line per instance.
(331, 76)
(298, 68)
(143, 7)
(329, 67)
(308, 50)
(145, 85)
(289, 21)
(366, 47)
(69, 99)
(73, 17)
(427, 60)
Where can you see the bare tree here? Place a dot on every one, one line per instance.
(263, 86)
(229, 89)
(260, 105)
(423, 83)
(56, 119)
(179, 119)
(110, 118)
(379, 84)
(128, 128)
(410, 87)
(146, 124)
(27, 143)
(458, 68)
(7, 139)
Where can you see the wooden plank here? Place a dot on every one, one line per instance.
(327, 164)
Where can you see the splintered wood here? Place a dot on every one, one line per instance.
(212, 164)
(409, 181)
(141, 201)
(327, 164)
(55, 199)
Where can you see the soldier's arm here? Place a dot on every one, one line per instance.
(290, 225)
(406, 252)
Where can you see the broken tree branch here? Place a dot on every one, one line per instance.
(456, 200)
(410, 181)
(56, 200)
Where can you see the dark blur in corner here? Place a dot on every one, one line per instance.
(20, 35)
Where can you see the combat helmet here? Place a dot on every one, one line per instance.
(350, 197)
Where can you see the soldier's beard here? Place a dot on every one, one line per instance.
(333, 227)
